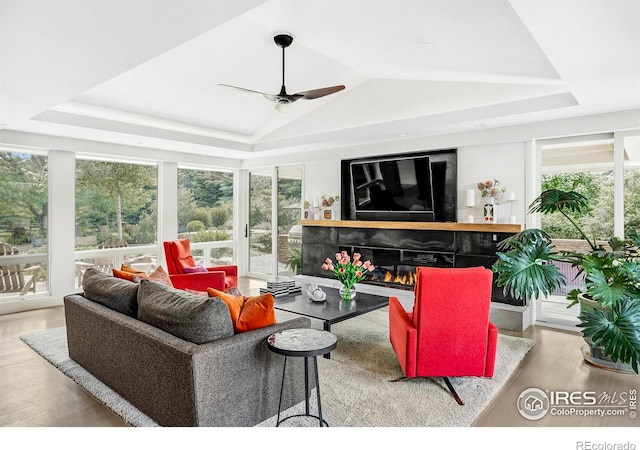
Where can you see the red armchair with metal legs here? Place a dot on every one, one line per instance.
(180, 260)
(448, 334)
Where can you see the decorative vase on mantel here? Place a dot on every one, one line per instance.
(347, 293)
(489, 209)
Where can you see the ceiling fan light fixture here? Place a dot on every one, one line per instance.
(283, 106)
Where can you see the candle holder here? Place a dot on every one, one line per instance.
(471, 203)
(512, 218)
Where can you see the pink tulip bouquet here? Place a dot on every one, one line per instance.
(348, 271)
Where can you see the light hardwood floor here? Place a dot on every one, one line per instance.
(35, 394)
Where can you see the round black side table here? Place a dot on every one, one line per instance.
(307, 343)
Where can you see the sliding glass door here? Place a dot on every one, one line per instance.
(275, 205)
(289, 213)
(260, 227)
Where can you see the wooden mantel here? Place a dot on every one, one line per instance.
(440, 226)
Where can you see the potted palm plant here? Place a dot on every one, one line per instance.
(610, 299)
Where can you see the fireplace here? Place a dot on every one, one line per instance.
(396, 253)
(397, 268)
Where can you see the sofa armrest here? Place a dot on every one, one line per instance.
(230, 271)
(238, 379)
(199, 281)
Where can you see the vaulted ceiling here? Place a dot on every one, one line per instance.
(148, 73)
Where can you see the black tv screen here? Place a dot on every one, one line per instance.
(408, 187)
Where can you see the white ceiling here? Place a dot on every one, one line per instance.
(146, 73)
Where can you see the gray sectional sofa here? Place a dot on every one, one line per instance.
(231, 380)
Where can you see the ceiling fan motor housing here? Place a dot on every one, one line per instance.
(283, 40)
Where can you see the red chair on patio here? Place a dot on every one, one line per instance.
(448, 334)
(186, 274)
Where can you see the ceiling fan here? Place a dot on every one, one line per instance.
(282, 99)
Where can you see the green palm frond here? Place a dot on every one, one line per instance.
(526, 272)
(593, 262)
(606, 290)
(632, 271)
(555, 200)
(530, 236)
(617, 330)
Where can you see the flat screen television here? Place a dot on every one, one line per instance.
(413, 187)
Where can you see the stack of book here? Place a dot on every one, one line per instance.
(281, 288)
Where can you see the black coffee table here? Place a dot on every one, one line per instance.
(332, 310)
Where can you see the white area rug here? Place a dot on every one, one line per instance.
(355, 383)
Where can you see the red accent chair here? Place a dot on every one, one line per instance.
(448, 334)
(178, 256)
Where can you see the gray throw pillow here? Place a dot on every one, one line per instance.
(114, 293)
(193, 318)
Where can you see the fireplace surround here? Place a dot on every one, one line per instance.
(396, 249)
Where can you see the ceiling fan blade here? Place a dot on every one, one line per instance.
(249, 91)
(317, 93)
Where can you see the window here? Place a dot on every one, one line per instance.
(116, 209)
(116, 204)
(596, 166)
(23, 223)
(585, 167)
(631, 184)
(205, 214)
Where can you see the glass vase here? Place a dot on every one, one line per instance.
(347, 292)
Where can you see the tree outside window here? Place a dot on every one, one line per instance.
(115, 200)
(205, 210)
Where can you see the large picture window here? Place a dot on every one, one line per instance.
(205, 214)
(115, 201)
(23, 223)
(116, 215)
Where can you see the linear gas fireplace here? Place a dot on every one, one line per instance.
(401, 247)
(397, 268)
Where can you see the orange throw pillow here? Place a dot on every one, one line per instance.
(125, 268)
(257, 312)
(134, 277)
(233, 302)
(247, 313)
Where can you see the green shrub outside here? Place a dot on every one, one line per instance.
(195, 226)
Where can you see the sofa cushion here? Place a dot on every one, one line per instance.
(160, 276)
(193, 318)
(247, 313)
(114, 293)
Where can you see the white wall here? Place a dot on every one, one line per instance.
(502, 162)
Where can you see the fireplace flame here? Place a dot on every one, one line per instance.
(406, 279)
